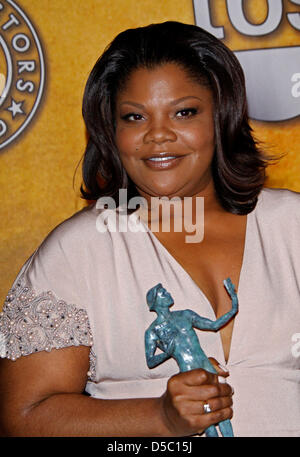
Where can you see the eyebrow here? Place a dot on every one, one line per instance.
(174, 102)
(182, 99)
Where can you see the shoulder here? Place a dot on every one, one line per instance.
(278, 203)
(150, 333)
(185, 313)
(279, 198)
(77, 236)
(75, 228)
(59, 264)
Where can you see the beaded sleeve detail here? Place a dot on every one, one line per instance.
(31, 323)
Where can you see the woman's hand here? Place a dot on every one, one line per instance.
(183, 402)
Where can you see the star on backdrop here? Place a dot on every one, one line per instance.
(15, 108)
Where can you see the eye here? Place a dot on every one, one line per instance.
(186, 112)
(131, 117)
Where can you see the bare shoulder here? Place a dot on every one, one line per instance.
(185, 314)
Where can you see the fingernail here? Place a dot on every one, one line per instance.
(222, 380)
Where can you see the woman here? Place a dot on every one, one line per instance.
(165, 109)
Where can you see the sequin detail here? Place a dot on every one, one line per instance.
(31, 323)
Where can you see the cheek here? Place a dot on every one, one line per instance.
(199, 139)
(127, 142)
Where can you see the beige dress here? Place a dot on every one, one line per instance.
(83, 287)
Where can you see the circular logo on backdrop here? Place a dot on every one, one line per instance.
(22, 72)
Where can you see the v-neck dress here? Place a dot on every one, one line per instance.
(86, 286)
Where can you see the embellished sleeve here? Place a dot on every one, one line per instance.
(33, 322)
(50, 305)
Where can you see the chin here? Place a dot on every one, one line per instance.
(161, 192)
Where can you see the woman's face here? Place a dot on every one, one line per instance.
(165, 132)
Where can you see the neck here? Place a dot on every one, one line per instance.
(163, 313)
(176, 214)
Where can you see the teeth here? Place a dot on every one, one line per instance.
(161, 159)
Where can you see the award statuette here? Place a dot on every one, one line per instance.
(173, 333)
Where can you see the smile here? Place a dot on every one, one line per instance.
(161, 159)
(163, 162)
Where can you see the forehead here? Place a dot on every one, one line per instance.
(162, 82)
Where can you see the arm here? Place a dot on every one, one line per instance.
(42, 395)
(222, 320)
(150, 348)
(207, 324)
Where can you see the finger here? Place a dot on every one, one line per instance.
(201, 421)
(215, 404)
(205, 406)
(196, 377)
(215, 391)
(180, 391)
(220, 369)
(217, 416)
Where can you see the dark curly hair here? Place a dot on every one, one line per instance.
(238, 166)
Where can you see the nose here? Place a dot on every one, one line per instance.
(159, 133)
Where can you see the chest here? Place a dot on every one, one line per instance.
(175, 324)
(208, 263)
(268, 317)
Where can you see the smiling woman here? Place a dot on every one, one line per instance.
(238, 165)
(165, 110)
(170, 131)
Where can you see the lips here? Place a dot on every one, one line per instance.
(162, 161)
